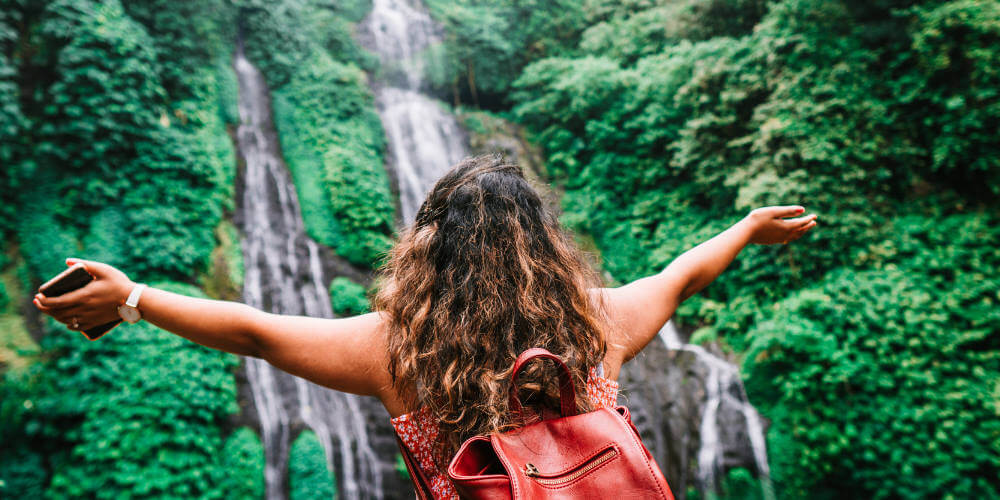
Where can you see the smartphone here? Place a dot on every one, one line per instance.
(73, 278)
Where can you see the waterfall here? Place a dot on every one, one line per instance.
(423, 139)
(284, 275)
(723, 388)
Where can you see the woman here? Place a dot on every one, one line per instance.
(484, 273)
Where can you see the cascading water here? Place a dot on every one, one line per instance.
(423, 139)
(284, 275)
(723, 387)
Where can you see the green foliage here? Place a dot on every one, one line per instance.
(189, 36)
(243, 463)
(22, 470)
(487, 41)
(636, 28)
(122, 155)
(12, 120)
(954, 45)
(108, 95)
(887, 379)
(333, 143)
(666, 127)
(224, 279)
(140, 179)
(309, 478)
(280, 36)
(22, 474)
(347, 297)
(738, 484)
(273, 37)
(45, 240)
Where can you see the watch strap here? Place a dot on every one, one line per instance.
(133, 298)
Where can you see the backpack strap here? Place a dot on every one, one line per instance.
(421, 485)
(567, 391)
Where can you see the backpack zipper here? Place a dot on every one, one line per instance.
(531, 471)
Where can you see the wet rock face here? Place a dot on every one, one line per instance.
(666, 392)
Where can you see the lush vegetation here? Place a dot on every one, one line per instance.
(309, 478)
(348, 298)
(116, 123)
(243, 461)
(116, 150)
(872, 344)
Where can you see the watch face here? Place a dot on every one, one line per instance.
(129, 313)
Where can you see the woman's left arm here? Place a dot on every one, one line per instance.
(641, 307)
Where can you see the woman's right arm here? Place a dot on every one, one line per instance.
(640, 308)
(345, 354)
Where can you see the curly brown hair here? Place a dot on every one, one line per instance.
(484, 273)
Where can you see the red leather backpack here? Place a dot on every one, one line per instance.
(591, 455)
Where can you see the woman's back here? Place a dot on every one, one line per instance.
(418, 431)
(484, 273)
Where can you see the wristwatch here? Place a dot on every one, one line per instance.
(129, 310)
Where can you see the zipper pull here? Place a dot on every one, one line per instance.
(530, 470)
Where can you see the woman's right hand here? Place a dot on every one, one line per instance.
(93, 305)
(769, 225)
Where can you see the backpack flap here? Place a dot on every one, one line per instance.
(590, 455)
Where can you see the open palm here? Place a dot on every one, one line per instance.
(772, 224)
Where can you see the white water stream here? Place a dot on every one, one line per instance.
(284, 275)
(723, 386)
(424, 140)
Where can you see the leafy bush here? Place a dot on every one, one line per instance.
(883, 383)
(333, 143)
(487, 41)
(308, 475)
(109, 94)
(12, 121)
(126, 159)
(347, 297)
(22, 469)
(243, 463)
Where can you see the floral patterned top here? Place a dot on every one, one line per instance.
(418, 431)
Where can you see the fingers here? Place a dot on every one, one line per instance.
(38, 304)
(64, 300)
(798, 233)
(800, 222)
(79, 317)
(97, 269)
(782, 211)
(71, 312)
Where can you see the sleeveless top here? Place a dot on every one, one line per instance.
(418, 430)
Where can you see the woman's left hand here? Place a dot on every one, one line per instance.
(769, 225)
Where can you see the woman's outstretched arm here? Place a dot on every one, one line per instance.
(641, 307)
(337, 353)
